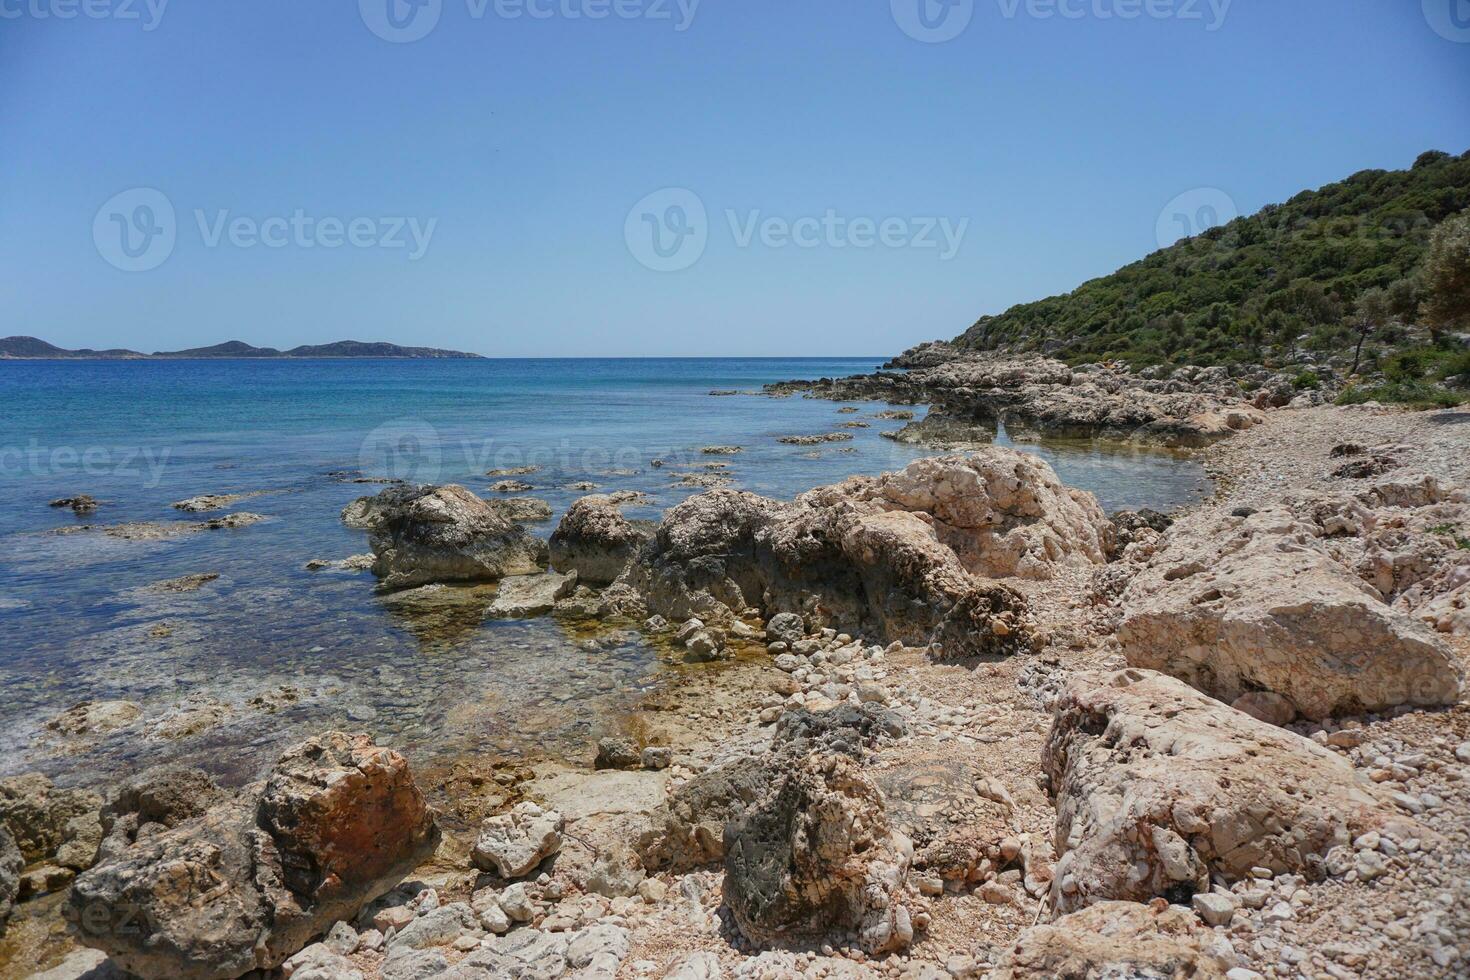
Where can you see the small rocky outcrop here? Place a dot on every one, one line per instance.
(833, 556)
(595, 540)
(55, 827)
(247, 883)
(521, 596)
(445, 534)
(1158, 787)
(817, 858)
(1275, 601)
(521, 510)
(512, 844)
(82, 503)
(1118, 939)
(11, 864)
(1003, 513)
(155, 801)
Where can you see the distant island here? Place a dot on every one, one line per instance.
(31, 348)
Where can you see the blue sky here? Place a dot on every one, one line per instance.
(926, 183)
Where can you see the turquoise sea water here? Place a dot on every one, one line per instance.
(78, 622)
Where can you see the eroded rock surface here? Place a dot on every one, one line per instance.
(1291, 600)
(1158, 787)
(247, 883)
(1118, 939)
(817, 858)
(595, 540)
(445, 534)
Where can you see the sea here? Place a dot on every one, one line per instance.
(225, 675)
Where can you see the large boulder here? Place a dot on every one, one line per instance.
(595, 540)
(1004, 513)
(816, 860)
(247, 883)
(1263, 603)
(1157, 787)
(1118, 939)
(852, 566)
(447, 534)
(688, 831)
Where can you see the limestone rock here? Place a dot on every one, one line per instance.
(513, 844)
(522, 596)
(247, 883)
(1235, 605)
(595, 540)
(521, 510)
(1157, 787)
(446, 534)
(859, 569)
(59, 826)
(1002, 512)
(152, 801)
(1117, 939)
(689, 830)
(92, 718)
(11, 864)
(816, 856)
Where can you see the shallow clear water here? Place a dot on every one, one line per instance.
(430, 676)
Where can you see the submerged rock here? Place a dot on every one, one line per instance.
(82, 503)
(815, 857)
(247, 883)
(521, 596)
(1158, 787)
(446, 534)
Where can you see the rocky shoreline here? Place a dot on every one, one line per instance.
(970, 393)
(965, 724)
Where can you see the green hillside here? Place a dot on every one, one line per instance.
(1269, 287)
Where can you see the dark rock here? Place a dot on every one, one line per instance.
(816, 856)
(617, 753)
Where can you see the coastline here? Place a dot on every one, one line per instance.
(966, 766)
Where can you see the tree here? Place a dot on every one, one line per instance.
(1446, 275)
(1371, 313)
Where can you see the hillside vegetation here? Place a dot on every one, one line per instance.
(1336, 275)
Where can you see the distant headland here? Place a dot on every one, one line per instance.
(31, 348)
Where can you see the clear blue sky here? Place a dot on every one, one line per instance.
(527, 141)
